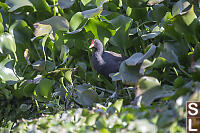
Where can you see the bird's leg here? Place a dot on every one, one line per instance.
(115, 94)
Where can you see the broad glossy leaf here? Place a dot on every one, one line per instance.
(65, 3)
(42, 29)
(136, 3)
(7, 42)
(94, 12)
(121, 36)
(186, 10)
(21, 31)
(7, 72)
(154, 2)
(15, 4)
(150, 35)
(118, 105)
(146, 83)
(91, 119)
(56, 23)
(100, 30)
(129, 74)
(115, 76)
(142, 126)
(45, 87)
(138, 58)
(68, 76)
(159, 62)
(76, 20)
(28, 89)
(88, 98)
(85, 2)
(166, 118)
(155, 93)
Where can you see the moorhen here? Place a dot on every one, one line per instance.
(105, 62)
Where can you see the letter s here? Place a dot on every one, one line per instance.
(193, 108)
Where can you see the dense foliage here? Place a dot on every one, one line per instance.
(47, 83)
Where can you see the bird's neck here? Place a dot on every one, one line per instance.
(99, 52)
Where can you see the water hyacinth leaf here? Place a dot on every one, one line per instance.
(7, 42)
(28, 89)
(115, 76)
(94, 12)
(118, 105)
(76, 20)
(159, 62)
(185, 10)
(142, 126)
(100, 30)
(146, 83)
(56, 23)
(170, 56)
(8, 73)
(167, 117)
(155, 93)
(150, 35)
(65, 3)
(88, 98)
(68, 76)
(154, 2)
(91, 119)
(42, 29)
(137, 3)
(45, 87)
(15, 4)
(39, 65)
(129, 74)
(181, 7)
(85, 2)
(121, 37)
(138, 58)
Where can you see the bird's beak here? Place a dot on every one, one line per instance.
(92, 44)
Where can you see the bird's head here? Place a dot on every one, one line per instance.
(96, 44)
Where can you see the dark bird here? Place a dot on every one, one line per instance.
(105, 62)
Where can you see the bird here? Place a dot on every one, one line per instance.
(105, 62)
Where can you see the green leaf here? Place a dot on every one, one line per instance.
(146, 83)
(45, 87)
(94, 12)
(129, 74)
(28, 89)
(118, 105)
(8, 73)
(65, 3)
(15, 4)
(88, 98)
(68, 76)
(138, 58)
(76, 20)
(100, 30)
(159, 63)
(115, 76)
(56, 23)
(185, 10)
(154, 2)
(91, 119)
(85, 2)
(142, 126)
(7, 42)
(121, 36)
(155, 93)
(136, 3)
